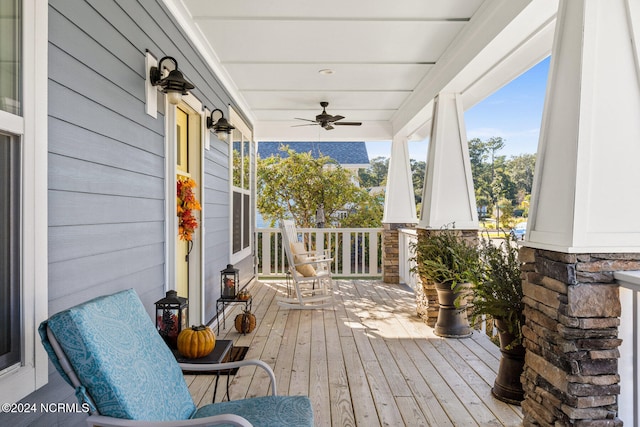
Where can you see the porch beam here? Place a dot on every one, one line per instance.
(504, 40)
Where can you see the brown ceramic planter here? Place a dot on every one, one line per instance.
(452, 321)
(507, 386)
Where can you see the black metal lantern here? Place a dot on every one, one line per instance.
(229, 280)
(172, 314)
(174, 85)
(220, 125)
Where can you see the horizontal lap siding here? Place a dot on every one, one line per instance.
(216, 210)
(107, 164)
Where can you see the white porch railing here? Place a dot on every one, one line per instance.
(407, 237)
(355, 251)
(629, 363)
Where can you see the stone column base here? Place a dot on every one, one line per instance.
(572, 310)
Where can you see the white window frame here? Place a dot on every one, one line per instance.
(247, 135)
(22, 379)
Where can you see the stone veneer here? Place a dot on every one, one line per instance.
(572, 310)
(391, 251)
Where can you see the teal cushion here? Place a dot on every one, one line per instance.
(122, 361)
(269, 411)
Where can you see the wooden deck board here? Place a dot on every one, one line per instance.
(368, 361)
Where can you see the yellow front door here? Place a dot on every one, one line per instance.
(182, 169)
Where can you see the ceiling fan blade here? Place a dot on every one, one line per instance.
(328, 126)
(348, 124)
(309, 124)
(306, 120)
(336, 118)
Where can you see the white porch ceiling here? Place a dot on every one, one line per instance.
(389, 59)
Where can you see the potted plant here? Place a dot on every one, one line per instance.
(497, 294)
(448, 261)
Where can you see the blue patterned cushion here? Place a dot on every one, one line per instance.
(269, 411)
(121, 359)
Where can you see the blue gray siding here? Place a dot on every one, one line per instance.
(107, 164)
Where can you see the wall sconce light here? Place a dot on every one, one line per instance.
(174, 85)
(220, 125)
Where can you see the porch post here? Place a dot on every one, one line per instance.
(583, 219)
(448, 198)
(399, 207)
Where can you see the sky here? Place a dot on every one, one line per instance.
(514, 113)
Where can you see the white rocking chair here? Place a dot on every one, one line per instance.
(310, 272)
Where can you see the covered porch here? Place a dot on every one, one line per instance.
(369, 361)
(97, 177)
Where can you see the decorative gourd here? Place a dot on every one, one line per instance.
(196, 341)
(244, 295)
(245, 322)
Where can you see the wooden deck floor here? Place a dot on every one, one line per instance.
(368, 361)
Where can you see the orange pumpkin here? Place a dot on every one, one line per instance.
(245, 322)
(196, 341)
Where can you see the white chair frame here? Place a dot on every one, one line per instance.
(311, 292)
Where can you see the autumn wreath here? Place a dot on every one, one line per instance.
(186, 203)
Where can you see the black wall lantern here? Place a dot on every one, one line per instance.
(174, 85)
(220, 125)
(229, 281)
(172, 315)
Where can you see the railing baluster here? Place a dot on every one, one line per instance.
(346, 253)
(373, 253)
(266, 252)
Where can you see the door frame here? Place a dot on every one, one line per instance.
(193, 107)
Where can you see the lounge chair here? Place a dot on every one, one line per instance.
(109, 351)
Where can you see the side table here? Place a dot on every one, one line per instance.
(218, 355)
(222, 302)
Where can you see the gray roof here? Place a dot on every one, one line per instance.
(345, 153)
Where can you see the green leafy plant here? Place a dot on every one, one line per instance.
(497, 292)
(444, 256)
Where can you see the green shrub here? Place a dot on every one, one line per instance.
(444, 256)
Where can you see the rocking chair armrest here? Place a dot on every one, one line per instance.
(316, 261)
(226, 419)
(317, 257)
(313, 253)
(233, 365)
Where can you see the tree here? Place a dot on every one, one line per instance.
(520, 169)
(481, 172)
(365, 211)
(376, 174)
(501, 184)
(295, 185)
(418, 170)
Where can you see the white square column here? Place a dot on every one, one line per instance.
(448, 195)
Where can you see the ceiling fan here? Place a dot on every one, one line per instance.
(326, 120)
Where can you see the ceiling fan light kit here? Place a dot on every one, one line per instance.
(326, 120)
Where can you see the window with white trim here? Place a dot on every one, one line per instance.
(10, 250)
(242, 158)
(23, 195)
(10, 174)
